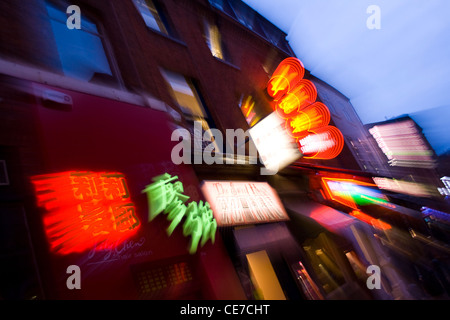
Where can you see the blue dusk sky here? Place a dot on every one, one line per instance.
(401, 68)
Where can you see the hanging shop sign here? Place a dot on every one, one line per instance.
(243, 202)
(165, 195)
(305, 120)
(275, 147)
(85, 210)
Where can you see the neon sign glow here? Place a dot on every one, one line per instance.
(322, 143)
(352, 193)
(313, 116)
(297, 98)
(165, 195)
(85, 210)
(285, 77)
(306, 120)
(377, 223)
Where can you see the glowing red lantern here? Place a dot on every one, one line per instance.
(312, 117)
(302, 95)
(321, 143)
(286, 76)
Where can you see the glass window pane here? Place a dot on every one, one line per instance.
(81, 53)
(214, 40)
(150, 15)
(61, 16)
(184, 94)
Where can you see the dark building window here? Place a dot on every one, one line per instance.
(248, 17)
(224, 6)
(154, 16)
(188, 98)
(81, 51)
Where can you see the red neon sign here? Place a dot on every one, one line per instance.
(286, 76)
(302, 95)
(85, 210)
(306, 120)
(313, 116)
(321, 143)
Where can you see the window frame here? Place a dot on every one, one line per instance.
(108, 50)
(258, 25)
(197, 93)
(163, 16)
(226, 57)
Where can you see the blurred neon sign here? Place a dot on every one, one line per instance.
(321, 143)
(243, 202)
(406, 187)
(352, 193)
(285, 77)
(377, 223)
(313, 116)
(165, 195)
(403, 144)
(301, 96)
(85, 210)
(306, 120)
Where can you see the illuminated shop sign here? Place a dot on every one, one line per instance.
(247, 105)
(321, 143)
(85, 210)
(276, 148)
(299, 97)
(352, 193)
(406, 187)
(285, 77)
(403, 144)
(305, 120)
(313, 116)
(165, 195)
(242, 202)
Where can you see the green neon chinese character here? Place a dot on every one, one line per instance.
(176, 211)
(162, 192)
(199, 224)
(208, 222)
(193, 226)
(166, 195)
